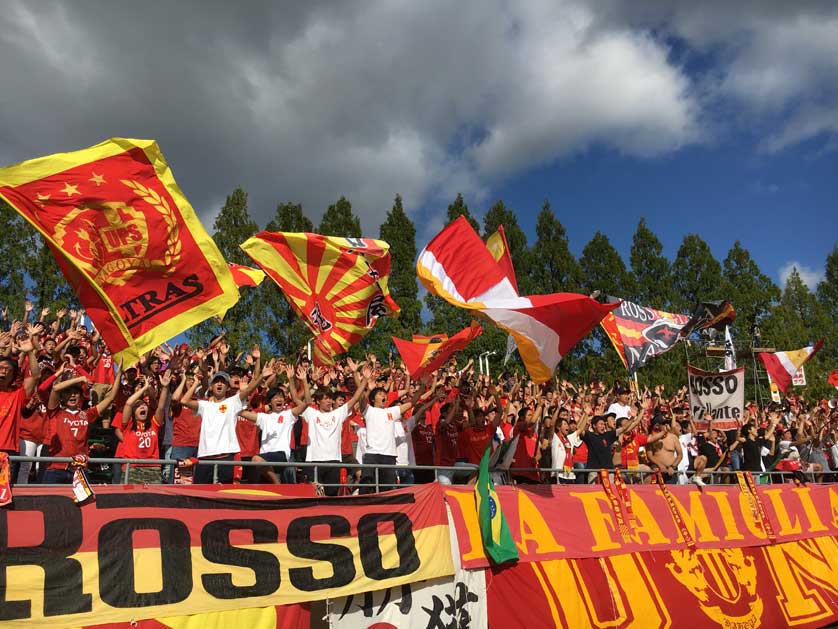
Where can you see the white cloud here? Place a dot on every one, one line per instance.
(296, 102)
(811, 277)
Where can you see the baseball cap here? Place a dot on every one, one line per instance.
(223, 375)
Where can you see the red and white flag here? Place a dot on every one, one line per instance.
(425, 354)
(457, 266)
(782, 366)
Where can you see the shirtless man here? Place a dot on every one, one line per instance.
(666, 453)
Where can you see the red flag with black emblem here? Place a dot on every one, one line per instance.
(638, 332)
(126, 238)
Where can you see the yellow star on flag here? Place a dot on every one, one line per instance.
(70, 190)
(97, 179)
(42, 197)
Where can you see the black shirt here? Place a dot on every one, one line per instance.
(599, 449)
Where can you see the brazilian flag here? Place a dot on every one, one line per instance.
(497, 540)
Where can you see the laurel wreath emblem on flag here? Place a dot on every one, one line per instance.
(110, 241)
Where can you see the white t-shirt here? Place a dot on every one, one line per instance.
(218, 426)
(620, 410)
(361, 448)
(276, 431)
(404, 442)
(324, 433)
(381, 429)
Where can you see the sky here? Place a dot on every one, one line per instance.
(716, 118)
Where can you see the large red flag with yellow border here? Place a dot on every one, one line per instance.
(424, 354)
(127, 240)
(337, 286)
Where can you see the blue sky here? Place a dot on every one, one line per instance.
(717, 118)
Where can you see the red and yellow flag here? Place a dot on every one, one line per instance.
(425, 354)
(127, 240)
(337, 286)
(246, 275)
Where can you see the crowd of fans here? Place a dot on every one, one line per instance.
(61, 395)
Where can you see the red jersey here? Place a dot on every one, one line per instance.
(473, 442)
(580, 454)
(630, 450)
(140, 444)
(33, 427)
(103, 373)
(248, 435)
(423, 444)
(525, 451)
(11, 403)
(447, 441)
(69, 433)
(186, 428)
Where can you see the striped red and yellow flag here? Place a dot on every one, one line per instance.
(338, 286)
(127, 240)
(246, 275)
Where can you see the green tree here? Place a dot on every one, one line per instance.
(516, 239)
(751, 292)
(400, 233)
(49, 286)
(17, 241)
(283, 331)
(340, 221)
(652, 271)
(459, 208)
(796, 321)
(603, 269)
(828, 299)
(696, 274)
(232, 227)
(553, 269)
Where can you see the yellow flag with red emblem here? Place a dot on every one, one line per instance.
(127, 240)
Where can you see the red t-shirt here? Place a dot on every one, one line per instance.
(473, 442)
(423, 444)
(186, 428)
(69, 433)
(11, 403)
(32, 428)
(347, 433)
(116, 424)
(248, 434)
(103, 373)
(525, 452)
(580, 454)
(140, 444)
(447, 437)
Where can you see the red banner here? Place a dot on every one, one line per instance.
(175, 551)
(127, 240)
(569, 522)
(784, 585)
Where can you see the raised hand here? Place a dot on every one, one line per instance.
(301, 373)
(28, 306)
(256, 353)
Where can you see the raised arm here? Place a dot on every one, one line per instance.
(299, 405)
(360, 386)
(403, 408)
(106, 401)
(29, 346)
(187, 400)
(165, 398)
(244, 392)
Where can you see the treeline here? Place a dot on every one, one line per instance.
(789, 317)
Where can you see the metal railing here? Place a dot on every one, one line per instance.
(460, 473)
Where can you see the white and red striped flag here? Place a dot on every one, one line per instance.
(782, 366)
(457, 266)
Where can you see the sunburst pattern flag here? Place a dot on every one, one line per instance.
(337, 286)
(126, 238)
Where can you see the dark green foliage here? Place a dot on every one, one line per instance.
(751, 292)
(232, 227)
(652, 271)
(553, 269)
(696, 275)
(340, 221)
